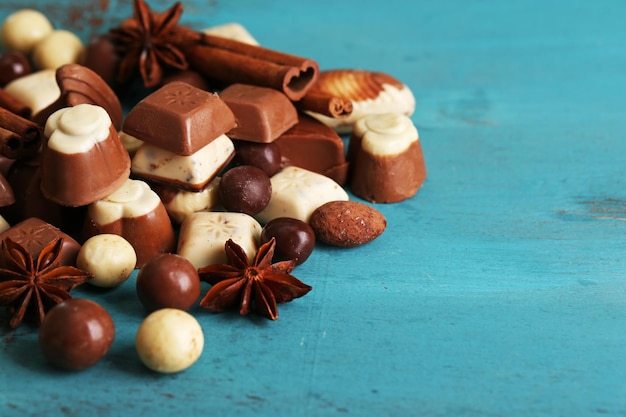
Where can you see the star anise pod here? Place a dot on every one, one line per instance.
(30, 287)
(151, 42)
(261, 283)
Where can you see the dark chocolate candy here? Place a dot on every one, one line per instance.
(312, 145)
(6, 192)
(295, 239)
(265, 156)
(76, 334)
(100, 56)
(168, 281)
(180, 118)
(262, 114)
(245, 189)
(13, 65)
(34, 234)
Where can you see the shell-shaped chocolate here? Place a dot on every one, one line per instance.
(370, 93)
(355, 85)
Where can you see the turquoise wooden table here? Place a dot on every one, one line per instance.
(499, 290)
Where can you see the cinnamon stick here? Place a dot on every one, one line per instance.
(7, 101)
(326, 104)
(231, 61)
(19, 137)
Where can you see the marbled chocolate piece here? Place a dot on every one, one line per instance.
(84, 160)
(297, 192)
(262, 113)
(312, 145)
(179, 118)
(34, 234)
(136, 213)
(189, 172)
(203, 235)
(387, 163)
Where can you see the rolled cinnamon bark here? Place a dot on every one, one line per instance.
(326, 104)
(232, 61)
(19, 137)
(12, 104)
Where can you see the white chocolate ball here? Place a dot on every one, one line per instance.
(169, 340)
(110, 258)
(60, 47)
(23, 29)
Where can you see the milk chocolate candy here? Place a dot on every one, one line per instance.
(189, 172)
(181, 203)
(34, 234)
(297, 192)
(84, 160)
(6, 192)
(387, 164)
(136, 213)
(203, 235)
(262, 113)
(179, 118)
(312, 145)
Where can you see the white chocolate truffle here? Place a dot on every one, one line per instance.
(203, 235)
(23, 29)
(60, 47)
(297, 192)
(134, 198)
(169, 340)
(110, 258)
(192, 172)
(4, 225)
(36, 90)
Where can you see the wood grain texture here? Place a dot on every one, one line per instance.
(499, 290)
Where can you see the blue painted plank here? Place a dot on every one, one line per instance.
(498, 290)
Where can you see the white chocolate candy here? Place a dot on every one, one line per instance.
(234, 31)
(297, 192)
(4, 225)
(77, 129)
(386, 134)
(23, 29)
(58, 48)
(203, 235)
(169, 340)
(36, 90)
(134, 198)
(185, 202)
(110, 258)
(131, 143)
(190, 172)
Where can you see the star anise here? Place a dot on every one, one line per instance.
(151, 42)
(30, 287)
(261, 283)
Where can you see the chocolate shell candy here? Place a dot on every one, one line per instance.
(84, 159)
(179, 118)
(387, 163)
(262, 113)
(136, 213)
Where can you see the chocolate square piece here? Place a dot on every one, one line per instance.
(262, 114)
(179, 118)
(34, 234)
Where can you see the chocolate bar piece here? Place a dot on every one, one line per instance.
(179, 118)
(34, 234)
(312, 145)
(262, 113)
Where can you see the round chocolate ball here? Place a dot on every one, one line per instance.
(245, 189)
(76, 333)
(295, 239)
(100, 56)
(168, 281)
(13, 65)
(265, 156)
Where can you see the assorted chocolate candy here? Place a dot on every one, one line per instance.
(228, 169)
